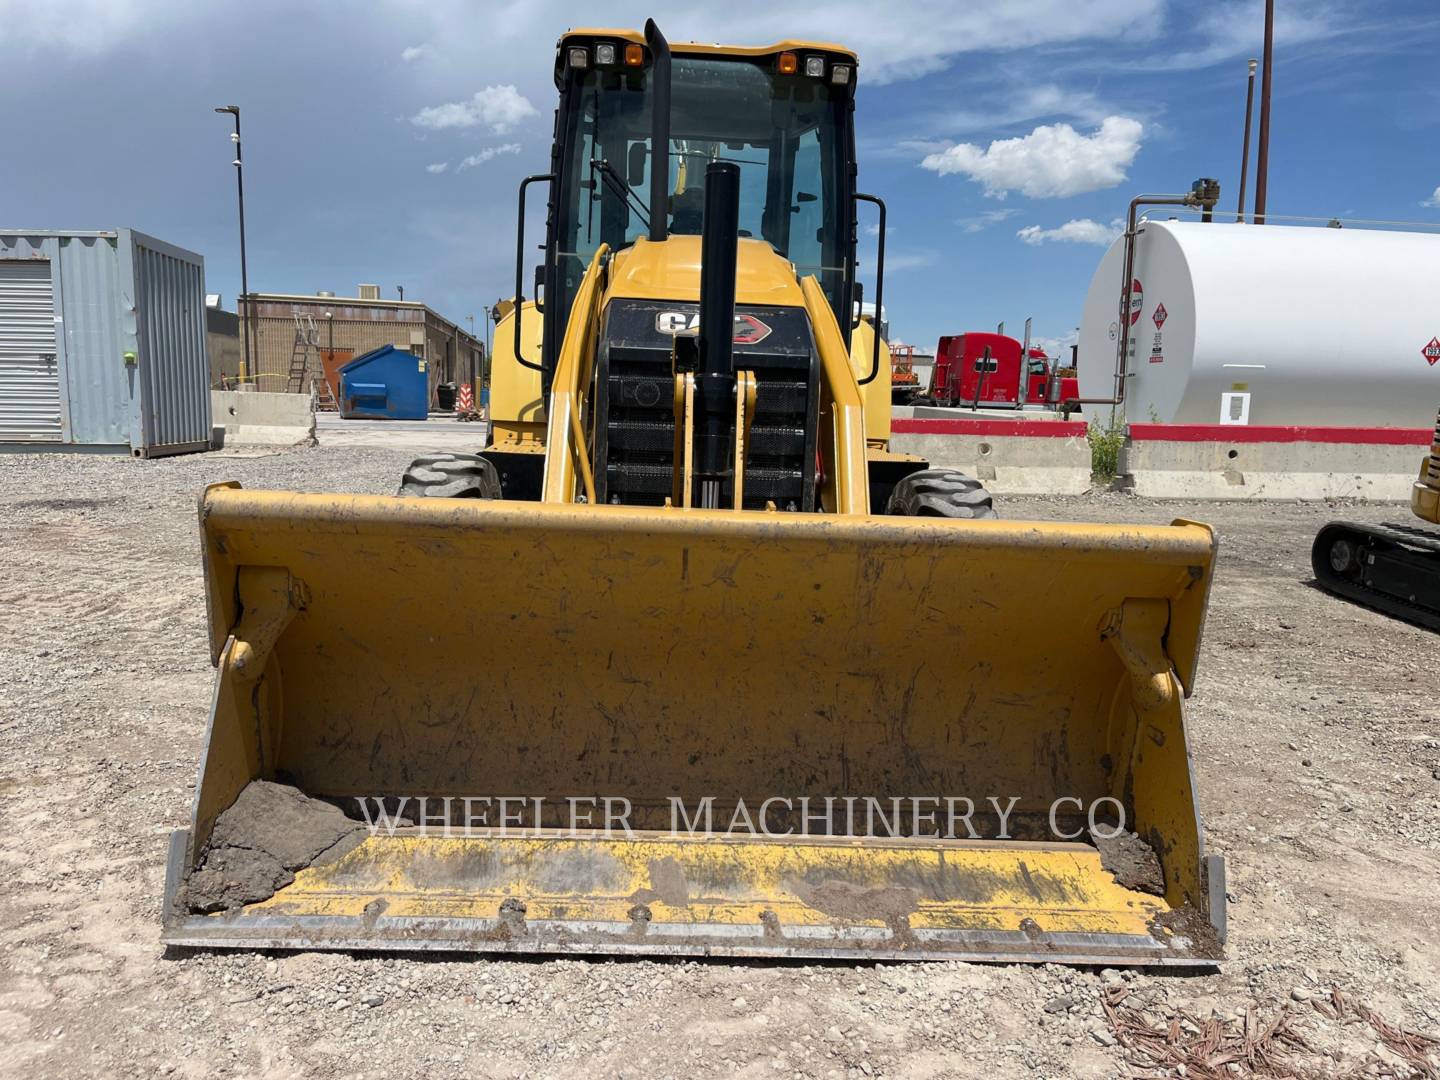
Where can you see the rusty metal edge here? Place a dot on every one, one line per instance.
(569, 938)
(176, 863)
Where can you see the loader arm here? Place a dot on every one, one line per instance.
(842, 441)
(567, 453)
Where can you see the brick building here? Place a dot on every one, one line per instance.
(355, 325)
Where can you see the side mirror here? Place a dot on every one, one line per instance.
(635, 164)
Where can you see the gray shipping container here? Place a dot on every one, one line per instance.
(102, 343)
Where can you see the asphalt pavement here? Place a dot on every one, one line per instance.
(440, 431)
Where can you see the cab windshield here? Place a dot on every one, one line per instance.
(784, 132)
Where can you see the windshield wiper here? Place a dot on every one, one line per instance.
(617, 184)
(708, 158)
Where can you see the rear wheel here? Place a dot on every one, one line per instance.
(451, 476)
(940, 493)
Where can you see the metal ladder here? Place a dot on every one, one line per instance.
(307, 338)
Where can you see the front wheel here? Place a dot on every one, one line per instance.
(940, 493)
(450, 476)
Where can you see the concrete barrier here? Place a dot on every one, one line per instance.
(1232, 461)
(944, 412)
(256, 419)
(1010, 456)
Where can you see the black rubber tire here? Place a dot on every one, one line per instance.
(450, 476)
(940, 493)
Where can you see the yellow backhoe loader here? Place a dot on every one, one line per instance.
(686, 661)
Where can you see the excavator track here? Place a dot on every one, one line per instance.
(1394, 569)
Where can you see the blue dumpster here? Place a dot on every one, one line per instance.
(385, 384)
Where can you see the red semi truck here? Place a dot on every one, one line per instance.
(984, 368)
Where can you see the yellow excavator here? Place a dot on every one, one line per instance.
(685, 661)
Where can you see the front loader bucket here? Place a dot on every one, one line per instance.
(622, 730)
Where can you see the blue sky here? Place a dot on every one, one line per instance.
(1006, 136)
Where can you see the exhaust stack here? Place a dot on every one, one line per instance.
(715, 381)
(659, 130)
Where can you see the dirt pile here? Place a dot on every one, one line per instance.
(271, 831)
(1131, 860)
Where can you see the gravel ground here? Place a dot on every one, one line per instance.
(1315, 729)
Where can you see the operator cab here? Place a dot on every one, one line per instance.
(782, 114)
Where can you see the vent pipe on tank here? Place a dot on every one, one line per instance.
(1262, 156)
(1204, 193)
(1245, 150)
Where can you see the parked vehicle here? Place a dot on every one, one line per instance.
(1394, 568)
(984, 370)
(904, 379)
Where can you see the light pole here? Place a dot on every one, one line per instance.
(246, 363)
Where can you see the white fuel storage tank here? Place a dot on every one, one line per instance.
(1270, 324)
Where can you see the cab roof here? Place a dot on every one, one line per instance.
(697, 48)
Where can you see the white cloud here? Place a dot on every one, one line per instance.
(1007, 105)
(1054, 160)
(910, 260)
(84, 26)
(437, 167)
(486, 154)
(1434, 199)
(903, 39)
(996, 104)
(1074, 231)
(899, 40)
(1231, 29)
(1056, 346)
(983, 220)
(499, 108)
(415, 52)
(906, 39)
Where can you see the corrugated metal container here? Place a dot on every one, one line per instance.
(102, 343)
